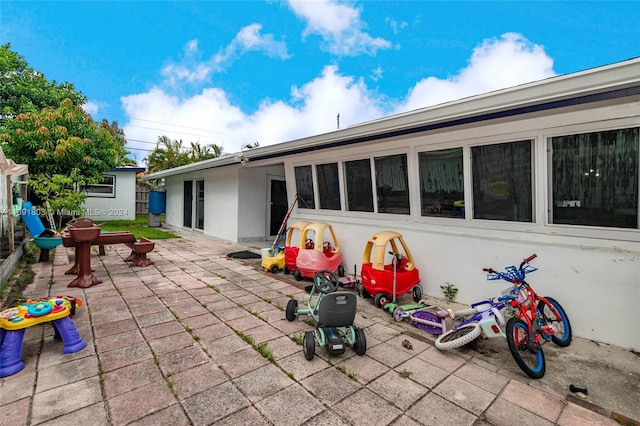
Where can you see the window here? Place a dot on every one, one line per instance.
(502, 181)
(442, 183)
(106, 187)
(359, 188)
(392, 184)
(328, 186)
(595, 179)
(304, 186)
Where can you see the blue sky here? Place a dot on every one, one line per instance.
(237, 72)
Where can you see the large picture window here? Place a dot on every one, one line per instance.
(392, 184)
(304, 186)
(359, 187)
(106, 187)
(328, 186)
(442, 183)
(595, 178)
(502, 181)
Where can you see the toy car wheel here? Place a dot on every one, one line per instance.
(340, 271)
(360, 345)
(297, 275)
(417, 293)
(286, 270)
(398, 314)
(309, 345)
(362, 292)
(274, 269)
(292, 308)
(380, 300)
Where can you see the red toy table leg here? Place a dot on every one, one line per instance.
(11, 352)
(85, 277)
(74, 269)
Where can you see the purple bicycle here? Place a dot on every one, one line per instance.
(483, 318)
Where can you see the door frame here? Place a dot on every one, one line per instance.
(271, 178)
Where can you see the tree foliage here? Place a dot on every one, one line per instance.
(65, 150)
(170, 153)
(23, 89)
(42, 124)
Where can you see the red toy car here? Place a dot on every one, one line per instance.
(319, 251)
(291, 251)
(378, 277)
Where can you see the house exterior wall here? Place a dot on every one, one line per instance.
(120, 207)
(221, 201)
(253, 211)
(593, 273)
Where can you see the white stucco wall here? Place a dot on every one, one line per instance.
(120, 207)
(221, 201)
(253, 211)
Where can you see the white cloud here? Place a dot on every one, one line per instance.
(395, 25)
(250, 39)
(209, 117)
(496, 64)
(192, 70)
(91, 108)
(340, 27)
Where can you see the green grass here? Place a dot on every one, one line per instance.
(138, 227)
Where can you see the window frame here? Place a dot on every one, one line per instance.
(587, 231)
(533, 173)
(112, 194)
(314, 188)
(316, 166)
(465, 192)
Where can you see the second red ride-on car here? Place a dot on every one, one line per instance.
(383, 281)
(291, 247)
(319, 251)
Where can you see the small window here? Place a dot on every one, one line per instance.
(328, 186)
(595, 179)
(359, 188)
(392, 184)
(304, 186)
(106, 187)
(502, 181)
(442, 183)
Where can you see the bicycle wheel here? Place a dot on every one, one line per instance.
(555, 315)
(458, 337)
(530, 361)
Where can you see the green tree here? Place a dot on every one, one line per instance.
(256, 144)
(42, 124)
(22, 89)
(167, 154)
(65, 150)
(170, 153)
(200, 153)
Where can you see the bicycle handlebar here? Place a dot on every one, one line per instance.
(528, 259)
(512, 274)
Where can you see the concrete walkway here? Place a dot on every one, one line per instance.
(186, 341)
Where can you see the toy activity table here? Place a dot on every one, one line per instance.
(14, 321)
